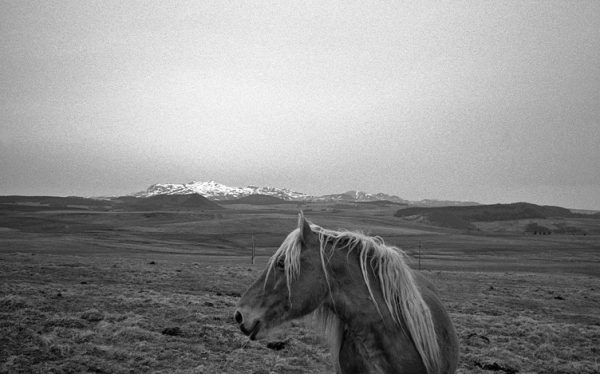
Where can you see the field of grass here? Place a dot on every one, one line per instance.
(154, 292)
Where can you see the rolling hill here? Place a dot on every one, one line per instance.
(169, 201)
(462, 217)
(28, 203)
(257, 200)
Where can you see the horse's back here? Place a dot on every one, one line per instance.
(447, 338)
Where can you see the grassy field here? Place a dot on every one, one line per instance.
(154, 292)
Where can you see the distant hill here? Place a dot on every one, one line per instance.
(338, 197)
(167, 201)
(363, 196)
(381, 203)
(436, 216)
(258, 200)
(461, 217)
(50, 202)
(69, 200)
(441, 203)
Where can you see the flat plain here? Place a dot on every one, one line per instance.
(104, 291)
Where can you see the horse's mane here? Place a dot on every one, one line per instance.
(399, 288)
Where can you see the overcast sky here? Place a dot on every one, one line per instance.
(488, 101)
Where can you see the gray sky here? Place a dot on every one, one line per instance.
(491, 101)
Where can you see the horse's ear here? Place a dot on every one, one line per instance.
(306, 234)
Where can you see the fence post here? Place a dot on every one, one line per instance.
(419, 255)
(252, 249)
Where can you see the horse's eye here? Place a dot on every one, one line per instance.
(281, 264)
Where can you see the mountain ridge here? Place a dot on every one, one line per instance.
(219, 192)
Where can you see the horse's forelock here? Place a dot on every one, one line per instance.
(289, 251)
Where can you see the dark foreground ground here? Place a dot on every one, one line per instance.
(154, 292)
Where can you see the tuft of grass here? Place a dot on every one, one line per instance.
(132, 334)
(11, 303)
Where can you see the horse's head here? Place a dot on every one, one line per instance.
(293, 285)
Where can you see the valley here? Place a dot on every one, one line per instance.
(96, 288)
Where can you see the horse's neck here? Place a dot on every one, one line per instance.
(372, 340)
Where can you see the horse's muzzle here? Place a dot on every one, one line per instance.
(250, 332)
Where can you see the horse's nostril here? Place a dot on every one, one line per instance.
(238, 317)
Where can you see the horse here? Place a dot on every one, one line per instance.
(378, 315)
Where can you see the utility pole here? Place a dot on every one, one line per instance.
(253, 249)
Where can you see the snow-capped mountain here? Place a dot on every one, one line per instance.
(363, 196)
(217, 191)
(350, 196)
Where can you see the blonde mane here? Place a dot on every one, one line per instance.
(401, 295)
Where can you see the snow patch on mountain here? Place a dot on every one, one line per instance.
(217, 191)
